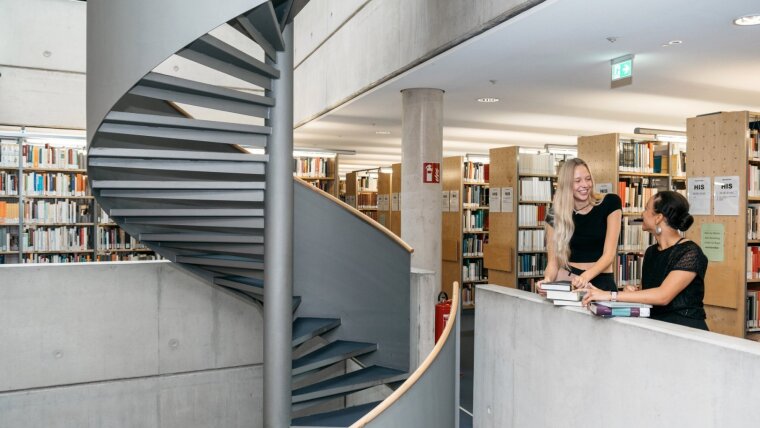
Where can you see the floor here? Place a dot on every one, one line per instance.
(467, 336)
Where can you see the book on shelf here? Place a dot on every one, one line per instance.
(53, 157)
(620, 309)
(557, 285)
(643, 157)
(537, 163)
(311, 167)
(753, 310)
(475, 172)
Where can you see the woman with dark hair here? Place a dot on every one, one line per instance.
(582, 229)
(673, 274)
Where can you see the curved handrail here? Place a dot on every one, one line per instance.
(421, 370)
(357, 213)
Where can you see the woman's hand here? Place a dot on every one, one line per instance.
(594, 294)
(580, 282)
(630, 288)
(540, 290)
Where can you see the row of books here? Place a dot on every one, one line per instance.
(472, 245)
(474, 220)
(311, 167)
(531, 240)
(753, 310)
(753, 180)
(472, 270)
(476, 172)
(8, 239)
(535, 189)
(9, 212)
(678, 159)
(475, 196)
(632, 236)
(57, 258)
(561, 294)
(531, 163)
(367, 183)
(644, 157)
(754, 150)
(56, 239)
(629, 269)
(366, 200)
(532, 215)
(321, 185)
(531, 264)
(8, 183)
(753, 262)
(634, 192)
(54, 184)
(753, 221)
(47, 156)
(117, 239)
(41, 211)
(131, 257)
(468, 295)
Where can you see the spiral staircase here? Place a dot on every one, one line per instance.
(193, 192)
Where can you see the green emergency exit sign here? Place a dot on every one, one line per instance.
(622, 71)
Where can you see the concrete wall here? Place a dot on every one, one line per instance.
(126, 344)
(346, 47)
(537, 365)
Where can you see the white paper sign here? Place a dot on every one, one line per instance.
(698, 192)
(507, 199)
(445, 201)
(727, 195)
(494, 199)
(351, 200)
(386, 202)
(454, 201)
(603, 188)
(394, 202)
(382, 202)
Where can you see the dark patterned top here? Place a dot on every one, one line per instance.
(686, 256)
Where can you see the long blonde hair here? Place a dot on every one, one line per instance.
(563, 205)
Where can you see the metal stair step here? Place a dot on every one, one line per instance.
(191, 166)
(184, 129)
(190, 212)
(177, 185)
(188, 195)
(337, 418)
(307, 328)
(111, 152)
(262, 27)
(205, 247)
(202, 237)
(169, 88)
(212, 223)
(221, 260)
(214, 53)
(358, 380)
(249, 285)
(331, 353)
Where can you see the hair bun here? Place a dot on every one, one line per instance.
(686, 222)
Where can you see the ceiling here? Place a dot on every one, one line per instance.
(550, 68)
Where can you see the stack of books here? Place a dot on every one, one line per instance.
(620, 309)
(562, 294)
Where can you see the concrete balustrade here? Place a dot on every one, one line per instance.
(537, 365)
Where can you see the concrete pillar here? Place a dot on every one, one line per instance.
(421, 143)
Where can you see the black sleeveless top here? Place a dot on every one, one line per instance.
(587, 242)
(686, 256)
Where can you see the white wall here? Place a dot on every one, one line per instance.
(42, 63)
(537, 365)
(126, 344)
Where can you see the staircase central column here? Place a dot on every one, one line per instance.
(421, 158)
(278, 246)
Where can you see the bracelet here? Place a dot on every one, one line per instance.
(613, 296)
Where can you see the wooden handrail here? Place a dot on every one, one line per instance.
(393, 398)
(356, 213)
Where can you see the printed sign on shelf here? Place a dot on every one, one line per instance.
(351, 200)
(699, 195)
(494, 199)
(431, 172)
(603, 188)
(507, 199)
(445, 201)
(394, 202)
(712, 241)
(727, 195)
(454, 201)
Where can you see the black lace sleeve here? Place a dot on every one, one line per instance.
(691, 259)
(549, 219)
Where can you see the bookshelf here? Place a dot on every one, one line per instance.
(396, 199)
(726, 145)
(46, 208)
(635, 169)
(318, 169)
(522, 186)
(464, 224)
(361, 191)
(384, 184)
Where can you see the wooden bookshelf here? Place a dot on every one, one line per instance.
(361, 191)
(641, 164)
(384, 184)
(396, 199)
(319, 171)
(463, 183)
(720, 145)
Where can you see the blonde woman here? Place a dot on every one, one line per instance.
(582, 230)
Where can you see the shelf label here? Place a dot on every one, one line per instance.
(699, 195)
(507, 199)
(727, 195)
(712, 241)
(454, 201)
(431, 172)
(494, 199)
(394, 202)
(603, 188)
(445, 201)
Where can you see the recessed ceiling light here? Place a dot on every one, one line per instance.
(488, 100)
(745, 20)
(383, 132)
(672, 43)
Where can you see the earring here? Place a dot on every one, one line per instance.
(657, 230)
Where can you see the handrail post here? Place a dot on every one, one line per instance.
(278, 241)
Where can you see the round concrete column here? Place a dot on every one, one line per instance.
(421, 154)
